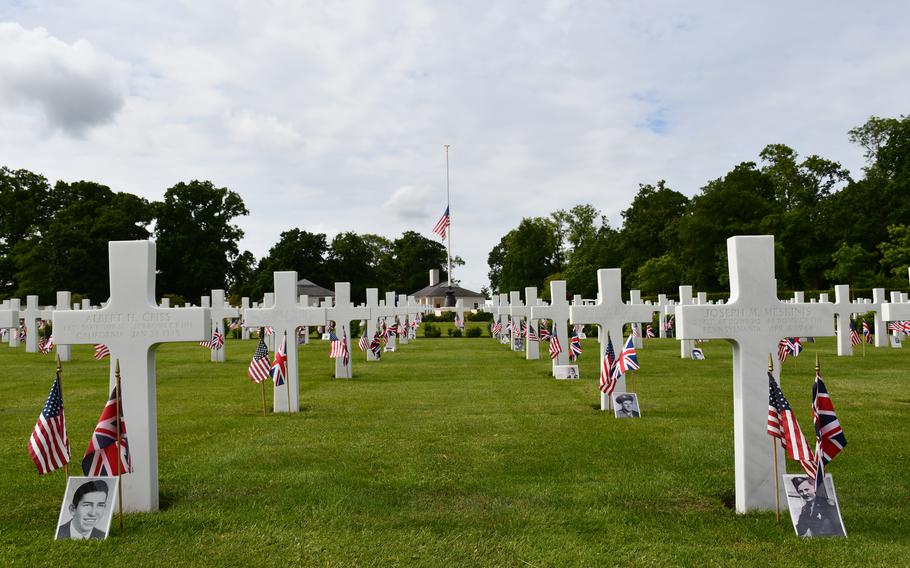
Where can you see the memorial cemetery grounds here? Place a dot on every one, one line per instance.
(456, 451)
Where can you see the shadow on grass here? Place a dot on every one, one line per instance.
(728, 498)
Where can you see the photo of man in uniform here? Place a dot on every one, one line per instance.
(88, 510)
(813, 514)
(626, 405)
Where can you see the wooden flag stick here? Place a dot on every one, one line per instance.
(119, 460)
(262, 384)
(66, 466)
(774, 445)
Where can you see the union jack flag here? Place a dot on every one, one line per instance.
(279, 370)
(48, 445)
(46, 345)
(829, 435)
(782, 424)
(867, 332)
(555, 347)
(545, 334)
(392, 330)
(376, 345)
(101, 351)
(628, 360)
(442, 225)
(574, 345)
(649, 331)
(259, 366)
(217, 339)
(854, 335)
(607, 380)
(789, 346)
(103, 457)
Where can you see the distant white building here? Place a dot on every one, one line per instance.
(434, 295)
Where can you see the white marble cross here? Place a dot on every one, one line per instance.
(881, 332)
(244, 306)
(494, 309)
(342, 313)
(387, 310)
(685, 345)
(132, 325)
(754, 321)
(9, 320)
(515, 315)
(221, 310)
(86, 304)
(412, 307)
(558, 314)
(843, 310)
(401, 312)
(372, 304)
(661, 315)
(504, 319)
(610, 314)
(268, 300)
(532, 348)
(30, 315)
(635, 300)
(284, 315)
(896, 309)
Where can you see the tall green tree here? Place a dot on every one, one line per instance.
(197, 239)
(25, 206)
(297, 250)
(526, 255)
(650, 226)
(358, 259)
(413, 257)
(70, 251)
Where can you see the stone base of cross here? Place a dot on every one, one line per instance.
(754, 321)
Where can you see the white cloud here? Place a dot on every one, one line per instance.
(332, 116)
(75, 86)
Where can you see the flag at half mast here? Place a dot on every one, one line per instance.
(442, 226)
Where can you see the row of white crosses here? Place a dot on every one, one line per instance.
(898, 309)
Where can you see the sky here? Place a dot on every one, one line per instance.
(332, 116)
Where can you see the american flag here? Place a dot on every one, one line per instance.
(867, 332)
(259, 366)
(339, 347)
(364, 342)
(279, 369)
(102, 457)
(854, 335)
(269, 330)
(899, 326)
(532, 334)
(555, 347)
(783, 349)
(636, 331)
(235, 324)
(48, 445)
(443, 224)
(607, 380)
(496, 328)
(628, 360)
(649, 331)
(46, 345)
(101, 351)
(574, 345)
(669, 323)
(459, 321)
(782, 424)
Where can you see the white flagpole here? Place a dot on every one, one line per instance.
(449, 228)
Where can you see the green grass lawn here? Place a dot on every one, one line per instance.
(457, 452)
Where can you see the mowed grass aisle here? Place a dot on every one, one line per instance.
(457, 452)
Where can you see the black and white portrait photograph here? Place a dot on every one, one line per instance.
(813, 514)
(87, 508)
(567, 372)
(625, 405)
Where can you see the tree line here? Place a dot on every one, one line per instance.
(55, 237)
(829, 228)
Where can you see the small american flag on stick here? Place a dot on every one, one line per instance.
(48, 445)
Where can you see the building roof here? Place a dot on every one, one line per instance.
(304, 286)
(439, 291)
